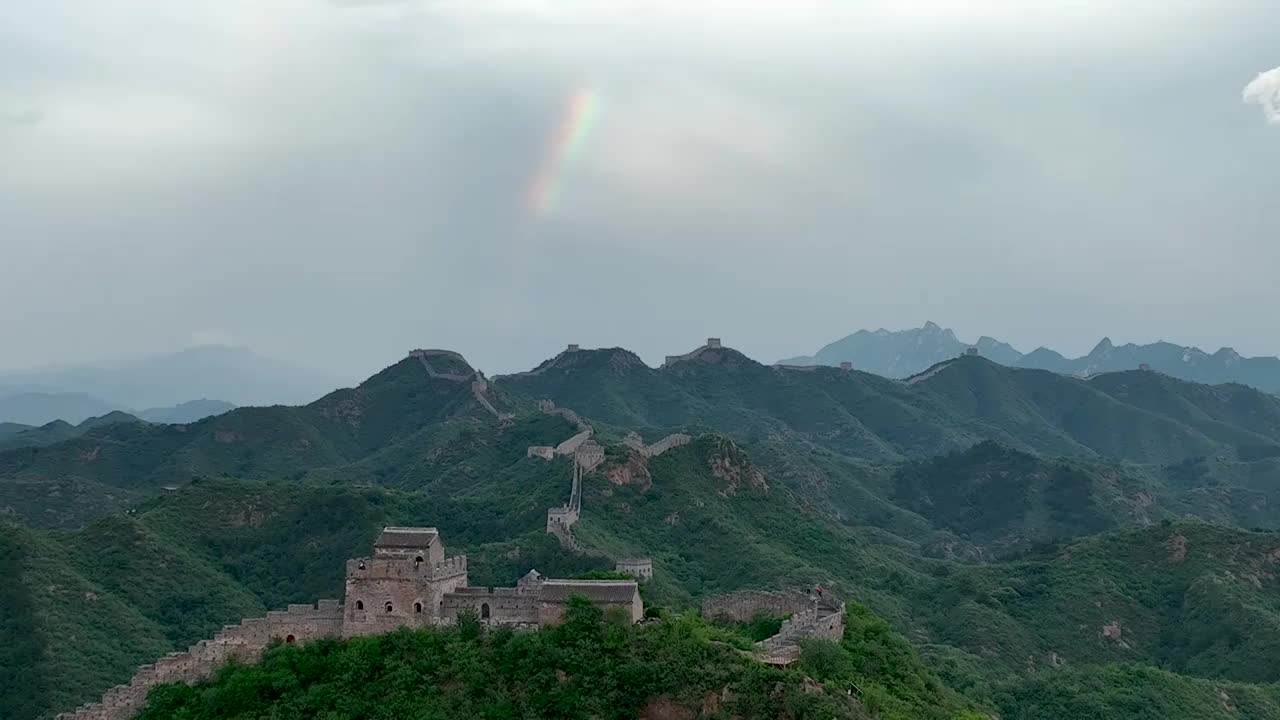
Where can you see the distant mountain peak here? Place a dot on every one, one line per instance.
(907, 353)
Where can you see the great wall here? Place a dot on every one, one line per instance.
(409, 582)
(587, 456)
(808, 617)
(479, 384)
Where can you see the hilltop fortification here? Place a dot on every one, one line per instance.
(409, 581)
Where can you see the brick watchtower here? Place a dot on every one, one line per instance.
(402, 584)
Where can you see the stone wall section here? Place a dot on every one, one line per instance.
(570, 446)
(812, 617)
(743, 605)
(711, 344)
(549, 407)
(587, 456)
(479, 390)
(479, 384)
(635, 442)
(669, 442)
(500, 606)
(244, 642)
(639, 568)
(424, 357)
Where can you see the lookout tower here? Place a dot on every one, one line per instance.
(846, 366)
(573, 347)
(971, 352)
(402, 584)
(713, 343)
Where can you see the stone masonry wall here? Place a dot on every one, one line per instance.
(412, 592)
(743, 605)
(667, 443)
(635, 442)
(497, 606)
(245, 642)
(823, 623)
(568, 447)
(588, 456)
(542, 451)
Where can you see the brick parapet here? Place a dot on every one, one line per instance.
(743, 605)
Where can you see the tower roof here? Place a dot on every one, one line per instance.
(407, 537)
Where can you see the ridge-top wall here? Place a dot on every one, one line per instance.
(245, 642)
(743, 605)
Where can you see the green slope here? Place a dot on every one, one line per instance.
(119, 463)
(1190, 597)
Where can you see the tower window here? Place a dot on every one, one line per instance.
(290, 640)
(359, 604)
(388, 607)
(418, 559)
(417, 607)
(484, 611)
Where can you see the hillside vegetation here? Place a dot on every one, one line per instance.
(587, 667)
(1030, 534)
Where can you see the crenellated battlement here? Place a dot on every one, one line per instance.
(404, 568)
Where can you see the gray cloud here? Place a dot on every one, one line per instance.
(1265, 91)
(343, 186)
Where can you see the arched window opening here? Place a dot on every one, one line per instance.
(484, 611)
(418, 559)
(388, 607)
(290, 640)
(417, 607)
(359, 604)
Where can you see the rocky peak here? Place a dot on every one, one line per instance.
(732, 467)
(1103, 347)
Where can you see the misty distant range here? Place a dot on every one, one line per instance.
(903, 353)
(179, 387)
(187, 386)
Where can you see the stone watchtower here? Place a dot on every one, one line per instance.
(402, 584)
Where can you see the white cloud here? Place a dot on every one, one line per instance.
(1265, 91)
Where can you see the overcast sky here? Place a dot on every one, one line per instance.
(348, 180)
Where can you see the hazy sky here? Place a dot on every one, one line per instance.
(348, 180)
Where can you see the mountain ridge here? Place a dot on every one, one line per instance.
(234, 374)
(902, 353)
(962, 505)
(38, 409)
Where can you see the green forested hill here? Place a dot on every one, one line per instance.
(953, 405)
(1027, 532)
(121, 463)
(397, 414)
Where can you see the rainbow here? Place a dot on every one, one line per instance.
(581, 114)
